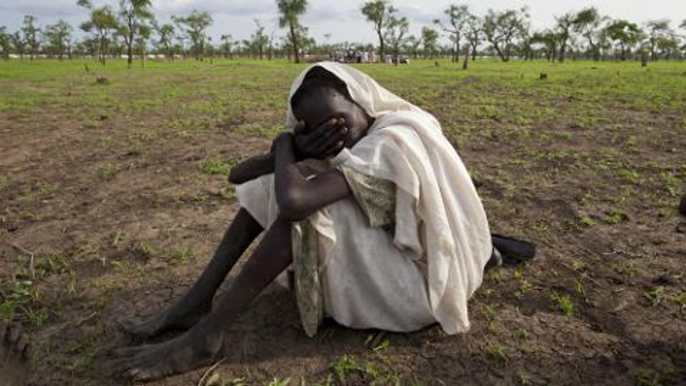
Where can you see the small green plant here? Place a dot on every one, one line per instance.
(656, 295)
(564, 303)
(107, 171)
(578, 265)
(497, 352)
(579, 285)
(525, 287)
(617, 217)
(584, 221)
(228, 193)
(647, 378)
(279, 382)
(672, 183)
(180, 255)
(630, 176)
(343, 366)
(216, 167)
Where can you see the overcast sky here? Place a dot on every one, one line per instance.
(340, 18)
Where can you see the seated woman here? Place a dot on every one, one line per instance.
(365, 200)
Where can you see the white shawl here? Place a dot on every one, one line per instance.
(437, 200)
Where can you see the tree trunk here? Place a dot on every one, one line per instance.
(563, 48)
(382, 48)
(465, 64)
(457, 47)
(294, 42)
(500, 53)
(101, 49)
(129, 49)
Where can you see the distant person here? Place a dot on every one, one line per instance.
(365, 200)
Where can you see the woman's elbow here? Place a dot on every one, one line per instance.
(293, 207)
(235, 176)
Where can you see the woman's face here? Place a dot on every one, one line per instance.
(323, 103)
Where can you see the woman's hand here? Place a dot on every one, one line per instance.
(282, 138)
(322, 142)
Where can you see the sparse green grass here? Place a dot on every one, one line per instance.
(585, 136)
(563, 303)
(347, 370)
(659, 295)
(217, 167)
(497, 352)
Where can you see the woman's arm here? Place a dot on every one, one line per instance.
(252, 168)
(324, 141)
(297, 196)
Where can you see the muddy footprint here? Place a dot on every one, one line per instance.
(14, 355)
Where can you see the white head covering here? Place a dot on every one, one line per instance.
(439, 215)
(365, 91)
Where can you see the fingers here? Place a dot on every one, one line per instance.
(333, 150)
(325, 140)
(330, 134)
(299, 128)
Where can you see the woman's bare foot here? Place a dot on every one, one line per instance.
(14, 355)
(180, 316)
(196, 348)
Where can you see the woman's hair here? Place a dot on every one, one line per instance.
(318, 77)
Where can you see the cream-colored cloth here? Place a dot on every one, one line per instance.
(440, 223)
(367, 282)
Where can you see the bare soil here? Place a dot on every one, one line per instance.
(118, 218)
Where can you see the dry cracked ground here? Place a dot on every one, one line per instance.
(114, 196)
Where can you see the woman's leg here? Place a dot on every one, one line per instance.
(202, 344)
(197, 302)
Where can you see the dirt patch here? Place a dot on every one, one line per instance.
(103, 218)
(15, 365)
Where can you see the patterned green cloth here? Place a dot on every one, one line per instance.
(376, 198)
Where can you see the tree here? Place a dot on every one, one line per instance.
(549, 39)
(290, 11)
(503, 28)
(396, 34)
(165, 34)
(430, 38)
(668, 45)
(58, 38)
(31, 35)
(305, 43)
(141, 42)
(18, 43)
(413, 44)
(102, 24)
(473, 31)
(564, 26)
(5, 43)
(194, 27)
(133, 15)
(380, 13)
(658, 32)
(625, 33)
(227, 45)
(457, 18)
(587, 23)
(258, 40)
